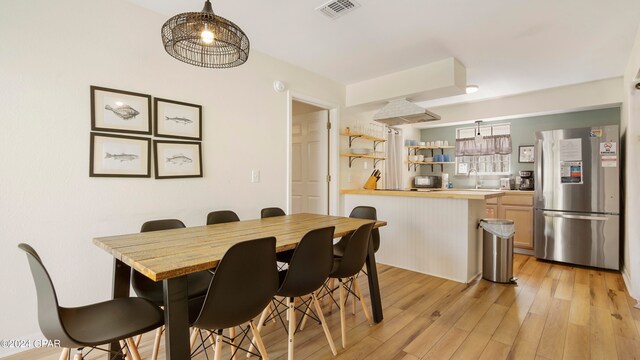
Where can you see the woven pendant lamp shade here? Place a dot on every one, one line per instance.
(182, 37)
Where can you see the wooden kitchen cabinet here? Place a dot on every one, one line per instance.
(517, 207)
(522, 217)
(491, 211)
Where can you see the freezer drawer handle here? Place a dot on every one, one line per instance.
(576, 217)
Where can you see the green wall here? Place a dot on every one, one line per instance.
(523, 132)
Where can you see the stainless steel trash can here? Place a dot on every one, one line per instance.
(497, 250)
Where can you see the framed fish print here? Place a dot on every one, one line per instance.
(119, 156)
(175, 119)
(177, 159)
(120, 111)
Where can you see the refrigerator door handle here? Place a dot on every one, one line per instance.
(575, 217)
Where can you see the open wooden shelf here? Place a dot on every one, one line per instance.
(430, 163)
(375, 158)
(363, 136)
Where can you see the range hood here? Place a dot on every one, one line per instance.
(401, 112)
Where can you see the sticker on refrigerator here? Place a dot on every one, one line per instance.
(608, 148)
(570, 149)
(571, 172)
(609, 161)
(595, 133)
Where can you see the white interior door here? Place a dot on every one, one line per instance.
(309, 146)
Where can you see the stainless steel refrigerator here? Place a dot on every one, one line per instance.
(577, 196)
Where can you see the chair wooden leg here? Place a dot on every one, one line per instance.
(259, 343)
(364, 305)
(305, 317)
(292, 326)
(125, 350)
(323, 322)
(330, 294)
(138, 339)
(343, 320)
(263, 317)
(156, 343)
(64, 354)
(234, 346)
(218, 353)
(78, 355)
(353, 302)
(193, 338)
(133, 349)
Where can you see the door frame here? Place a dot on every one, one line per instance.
(334, 147)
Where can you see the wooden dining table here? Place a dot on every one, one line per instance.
(170, 255)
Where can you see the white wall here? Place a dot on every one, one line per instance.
(46, 196)
(631, 129)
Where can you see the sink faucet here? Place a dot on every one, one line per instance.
(476, 182)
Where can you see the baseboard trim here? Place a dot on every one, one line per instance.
(627, 283)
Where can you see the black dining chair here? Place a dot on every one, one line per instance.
(283, 257)
(198, 283)
(346, 268)
(271, 212)
(310, 265)
(89, 326)
(244, 283)
(221, 217)
(359, 212)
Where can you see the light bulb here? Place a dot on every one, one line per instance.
(207, 36)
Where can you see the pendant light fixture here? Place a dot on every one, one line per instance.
(205, 39)
(478, 137)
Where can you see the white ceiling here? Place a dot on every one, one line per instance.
(507, 46)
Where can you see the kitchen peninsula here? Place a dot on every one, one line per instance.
(432, 232)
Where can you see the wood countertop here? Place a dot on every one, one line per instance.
(447, 194)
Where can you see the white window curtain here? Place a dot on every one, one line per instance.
(488, 145)
(393, 166)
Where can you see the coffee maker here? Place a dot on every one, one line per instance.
(526, 180)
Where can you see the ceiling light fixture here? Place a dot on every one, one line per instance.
(472, 88)
(205, 39)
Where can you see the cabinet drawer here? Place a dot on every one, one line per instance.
(526, 200)
(492, 201)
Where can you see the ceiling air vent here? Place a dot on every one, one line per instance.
(336, 8)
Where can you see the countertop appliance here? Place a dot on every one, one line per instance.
(577, 196)
(526, 180)
(427, 181)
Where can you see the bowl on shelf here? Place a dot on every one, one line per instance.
(361, 151)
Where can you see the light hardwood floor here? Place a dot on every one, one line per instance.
(555, 312)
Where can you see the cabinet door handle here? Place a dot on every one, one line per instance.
(575, 217)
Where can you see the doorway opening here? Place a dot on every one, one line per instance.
(311, 150)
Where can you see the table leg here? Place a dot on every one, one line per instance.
(120, 289)
(176, 318)
(374, 287)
